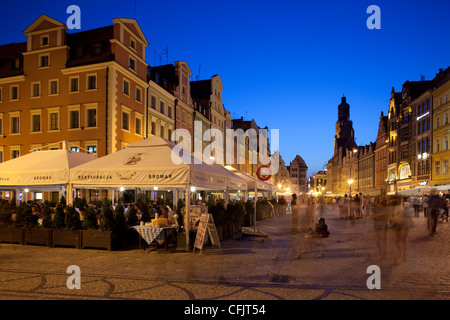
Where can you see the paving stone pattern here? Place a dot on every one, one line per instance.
(250, 268)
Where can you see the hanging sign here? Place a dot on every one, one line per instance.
(264, 173)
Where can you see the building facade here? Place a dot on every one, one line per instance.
(297, 172)
(161, 101)
(88, 88)
(365, 167)
(381, 152)
(441, 128)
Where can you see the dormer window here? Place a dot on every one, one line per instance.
(97, 50)
(15, 63)
(44, 41)
(78, 52)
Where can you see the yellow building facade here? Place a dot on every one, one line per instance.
(441, 135)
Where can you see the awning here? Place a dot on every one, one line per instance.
(146, 164)
(41, 168)
(417, 191)
(261, 186)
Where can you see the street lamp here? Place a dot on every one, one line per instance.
(350, 186)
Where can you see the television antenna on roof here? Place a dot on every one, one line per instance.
(198, 75)
(166, 53)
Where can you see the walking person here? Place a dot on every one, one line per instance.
(282, 206)
(304, 229)
(380, 216)
(400, 221)
(321, 206)
(295, 212)
(341, 205)
(425, 201)
(357, 206)
(435, 204)
(310, 211)
(416, 204)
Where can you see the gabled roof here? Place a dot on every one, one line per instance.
(44, 22)
(133, 26)
(299, 160)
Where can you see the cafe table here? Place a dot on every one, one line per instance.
(159, 235)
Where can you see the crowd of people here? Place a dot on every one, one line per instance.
(389, 214)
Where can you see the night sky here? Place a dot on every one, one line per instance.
(285, 64)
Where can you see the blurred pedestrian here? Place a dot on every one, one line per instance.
(282, 206)
(400, 221)
(435, 205)
(321, 206)
(380, 225)
(357, 206)
(295, 211)
(341, 204)
(425, 201)
(304, 230)
(310, 211)
(416, 204)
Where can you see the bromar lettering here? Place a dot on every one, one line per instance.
(159, 176)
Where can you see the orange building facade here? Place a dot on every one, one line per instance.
(88, 88)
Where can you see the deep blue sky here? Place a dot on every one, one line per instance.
(285, 63)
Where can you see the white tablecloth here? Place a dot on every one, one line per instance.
(149, 233)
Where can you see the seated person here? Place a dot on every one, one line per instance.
(171, 217)
(322, 228)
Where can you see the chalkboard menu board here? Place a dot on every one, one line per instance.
(206, 227)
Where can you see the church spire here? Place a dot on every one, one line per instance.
(344, 110)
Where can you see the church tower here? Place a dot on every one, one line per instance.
(344, 129)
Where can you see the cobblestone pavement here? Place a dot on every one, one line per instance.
(245, 269)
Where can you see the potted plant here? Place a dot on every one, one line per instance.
(249, 213)
(218, 213)
(262, 209)
(33, 232)
(92, 236)
(59, 218)
(69, 235)
(8, 231)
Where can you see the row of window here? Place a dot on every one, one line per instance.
(437, 167)
(424, 106)
(166, 110)
(126, 122)
(15, 150)
(53, 120)
(74, 86)
(74, 121)
(162, 131)
(442, 100)
(53, 87)
(445, 144)
(126, 90)
(438, 120)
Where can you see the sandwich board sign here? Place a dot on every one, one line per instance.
(206, 227)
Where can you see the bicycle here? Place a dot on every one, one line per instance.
(443, 215)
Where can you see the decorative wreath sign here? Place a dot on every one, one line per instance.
(264, 173)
